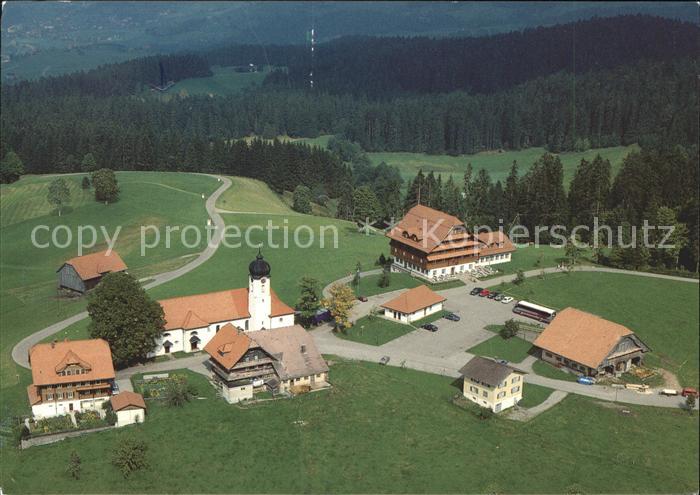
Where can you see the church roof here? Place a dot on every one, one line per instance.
(201, 310)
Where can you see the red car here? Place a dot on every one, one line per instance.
(484, 293)
(689, 391)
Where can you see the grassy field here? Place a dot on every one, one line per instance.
(28, 300)
(514, 349)
(528, 258)
(375, 330)
(51, 62)
(369, 284)
(497, 164)
(534, 395)
(251, 195)
(379, 429)
(548, 371)
(26, 199)
(224, 81)
(663, 313)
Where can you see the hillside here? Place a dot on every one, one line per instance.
(61, 37)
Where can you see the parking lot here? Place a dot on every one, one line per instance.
(455, 337)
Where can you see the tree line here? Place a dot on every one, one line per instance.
(648, 103)
(387, 66)
(123, 78)
(657, 185)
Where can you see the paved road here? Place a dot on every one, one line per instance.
(21, 350)
(526, 414)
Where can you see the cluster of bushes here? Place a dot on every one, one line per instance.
(479, 412)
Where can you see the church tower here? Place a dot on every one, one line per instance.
(259, 298)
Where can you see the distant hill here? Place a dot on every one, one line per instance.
(48, 38)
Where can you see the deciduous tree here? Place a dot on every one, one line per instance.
(124, 315)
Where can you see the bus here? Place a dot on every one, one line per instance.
(534, 311)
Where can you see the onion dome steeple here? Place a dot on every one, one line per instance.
(259, 268)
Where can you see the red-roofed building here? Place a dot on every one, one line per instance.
(82, 273)
(192, 321)
(432, 244)
(413, 304)
(70, 376)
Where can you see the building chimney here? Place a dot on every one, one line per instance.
(303, 349)
(53, 343)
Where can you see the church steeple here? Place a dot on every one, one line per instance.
(259, 297)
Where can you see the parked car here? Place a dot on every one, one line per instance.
(507, 300)
(384, 360)
(321, 316)
(451, 317)
(689, 391)
(475, 291)
(362, 298)
(484, 293)
(115, 388)
(499, 297)
(493, 295)
(430, 327)
(669, 391)
(586, 380)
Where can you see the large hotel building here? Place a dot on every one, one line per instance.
(433, 244)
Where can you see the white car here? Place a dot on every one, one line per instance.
(507, 300)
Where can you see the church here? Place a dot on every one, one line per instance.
(192, 321)
(250, 337)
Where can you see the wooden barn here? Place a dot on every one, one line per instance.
(83, 273)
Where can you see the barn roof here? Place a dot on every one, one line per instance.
(96, 264)
(582, 337)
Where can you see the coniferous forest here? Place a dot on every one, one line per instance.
(578, 86)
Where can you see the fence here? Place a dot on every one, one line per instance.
(57, 437)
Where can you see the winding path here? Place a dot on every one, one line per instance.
(20, 351)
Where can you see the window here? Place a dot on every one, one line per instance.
(515, 379)
(280, 318)
(218, 327)
(474, 389)
(548, 354)
(246, 325)
(69, 395)
(49, 396)
(515, 390)
(501, 395)
(59, 395)
(485, 393)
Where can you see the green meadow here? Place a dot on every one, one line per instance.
(223, 82)
(497, 164)
(378, 429)
(664, 313)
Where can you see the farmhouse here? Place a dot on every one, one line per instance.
(280, 360)
(413, 304)
(492, 384)
(589, 344)
(432, 244)
(192, 321)
(70, 376)
(129, 407)
(83, 273)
